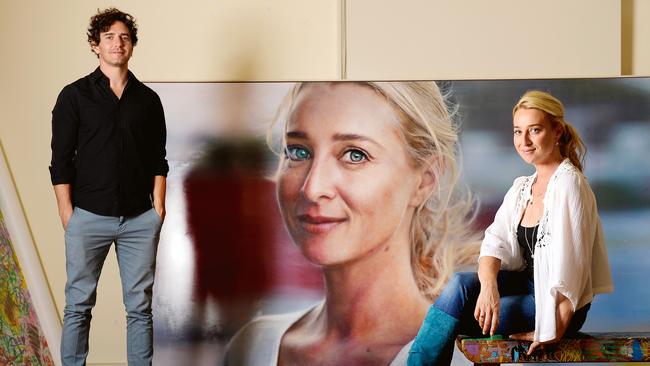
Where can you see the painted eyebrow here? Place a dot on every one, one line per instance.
(297, 134)
(337, 137)
(535, 125)
(354, 137)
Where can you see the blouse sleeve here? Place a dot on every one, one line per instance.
(573, 227)
(496, 241)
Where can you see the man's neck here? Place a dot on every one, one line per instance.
(117, 76)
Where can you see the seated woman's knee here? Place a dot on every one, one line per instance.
(465, 279)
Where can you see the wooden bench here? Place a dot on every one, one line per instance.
(594, 347)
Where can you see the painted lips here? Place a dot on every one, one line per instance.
(319, 224)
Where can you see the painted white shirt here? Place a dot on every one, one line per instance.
(570, 253)
(258, 342)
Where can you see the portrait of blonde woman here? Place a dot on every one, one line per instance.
(542, 260)
(368, 188)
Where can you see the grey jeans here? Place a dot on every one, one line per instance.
(88, 238)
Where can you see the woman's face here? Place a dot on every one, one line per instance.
(534, 137)
(348, 188)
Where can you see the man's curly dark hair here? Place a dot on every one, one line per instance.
(104, 19)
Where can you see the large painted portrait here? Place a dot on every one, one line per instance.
(304, 214)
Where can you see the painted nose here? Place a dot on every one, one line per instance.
(319, 183)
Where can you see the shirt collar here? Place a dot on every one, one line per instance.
(98, 75)
(531, 179)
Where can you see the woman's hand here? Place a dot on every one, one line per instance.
(529, 336)
(487, 308)
(487, 304)
(563, 315)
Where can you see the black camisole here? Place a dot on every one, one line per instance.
(527, 238)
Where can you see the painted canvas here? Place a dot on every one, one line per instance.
(211, 281)
(21, 340)
(30, 328)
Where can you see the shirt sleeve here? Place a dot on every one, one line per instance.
(496, 241)
(159, 134)
(65, 126)
(573, 228)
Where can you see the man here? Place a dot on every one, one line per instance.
(108, 169)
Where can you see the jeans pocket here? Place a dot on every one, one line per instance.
(67, 227)
(155, 213)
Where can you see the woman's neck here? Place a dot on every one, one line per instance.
(373, 297)
(373, 307)
(546, 170)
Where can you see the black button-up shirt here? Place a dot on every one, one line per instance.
(108, 149)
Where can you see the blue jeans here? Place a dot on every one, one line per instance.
(88, 238)
(517, 303)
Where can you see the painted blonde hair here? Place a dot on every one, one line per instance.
(570, 143)
(441, 230)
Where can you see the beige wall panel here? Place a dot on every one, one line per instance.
(237, 40)
(636, 50)
(464, 39)
(44, 48)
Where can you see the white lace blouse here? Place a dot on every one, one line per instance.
(570, 254)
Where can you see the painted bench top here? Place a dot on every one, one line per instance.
(593, 347)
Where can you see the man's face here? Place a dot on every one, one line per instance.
(115, 47)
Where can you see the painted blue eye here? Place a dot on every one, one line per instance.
(356, 156)
(297, 153)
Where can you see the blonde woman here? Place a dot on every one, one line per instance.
(367, 186)
(542, 259)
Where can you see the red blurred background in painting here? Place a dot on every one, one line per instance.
(242, 250)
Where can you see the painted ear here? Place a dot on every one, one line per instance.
(426, 185)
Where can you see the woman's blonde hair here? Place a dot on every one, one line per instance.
(570, 143)
(441, 230)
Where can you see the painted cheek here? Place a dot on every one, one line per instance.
(288, 188)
